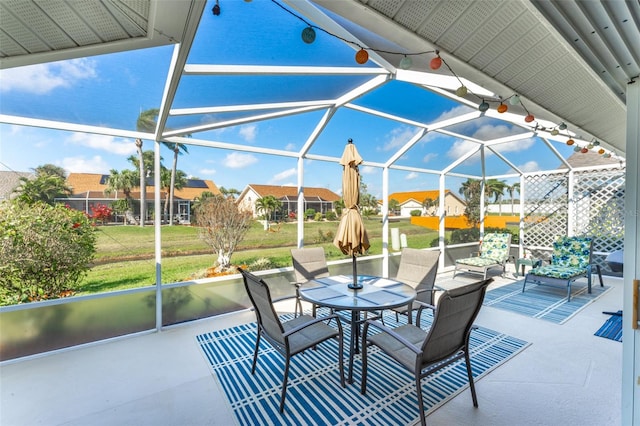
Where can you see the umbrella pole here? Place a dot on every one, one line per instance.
(355, 285)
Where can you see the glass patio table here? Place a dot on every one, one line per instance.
(376, 294)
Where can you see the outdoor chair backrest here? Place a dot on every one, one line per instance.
(418, 268)
(266, 316)
(496, 246)
(573, 252)
(455, 313)
(309, 263)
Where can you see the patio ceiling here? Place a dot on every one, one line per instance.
(568, 61)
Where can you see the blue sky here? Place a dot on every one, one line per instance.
(111, 90)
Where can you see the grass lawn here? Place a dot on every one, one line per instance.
(125, 254)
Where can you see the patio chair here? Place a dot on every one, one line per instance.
(571, 259)
(291, 337)
(308, 264)
(494, 252)
(425, 352)
(418, 269)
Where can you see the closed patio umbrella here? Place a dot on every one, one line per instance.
(351, 237)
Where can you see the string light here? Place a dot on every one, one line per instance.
(362, 56)
(216, 9)
(309, 35)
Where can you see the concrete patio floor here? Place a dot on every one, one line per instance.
(567, 376)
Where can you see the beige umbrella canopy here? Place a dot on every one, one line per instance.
(351, 237)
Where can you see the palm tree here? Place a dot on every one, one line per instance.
(267, 205)
(495, 188)
(121, 181)
(169, 180)
(511, 189)
(470, 189)
(428, 204)
(44, 187)
(146, 123)
(148, 158)
(177, 149)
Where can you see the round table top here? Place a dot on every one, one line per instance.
(376, 293)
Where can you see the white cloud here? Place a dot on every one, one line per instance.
(411, 176)
(205, 172)
(284, 175)
(290, 147)
(520, 145)
(249, 132)
(367, 170)
(530, 166)
(460, 148)
(454, 112)
(111, 144)
(238, 160)
(44, 78)
(398, 137)
(431, 156)
(80, 164)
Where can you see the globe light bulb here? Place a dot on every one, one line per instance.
(584, 150)
(562, 126)
(502, 108)
(362, 56)
(601, 151)
(308, 35)
(435, 63)
(577, 148)
(529, 118)
(570, 142)
(461, 91)
(514, 100)
(406, 63)
(484, 106)
(554, 132)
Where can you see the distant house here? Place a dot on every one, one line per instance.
(414, 200)
(88, 190)
(9, 181)
(319, 199)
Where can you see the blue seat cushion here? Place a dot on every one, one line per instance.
(562, 272)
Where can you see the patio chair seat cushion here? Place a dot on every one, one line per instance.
(556, 271)
(309, 336)
(477, 261)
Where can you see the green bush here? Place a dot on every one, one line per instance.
(45, 251)
(318, 217)
(309, 213)
(460, 236)
(331, 215)
(415, 212)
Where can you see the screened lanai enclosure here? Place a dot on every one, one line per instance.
(535, 95)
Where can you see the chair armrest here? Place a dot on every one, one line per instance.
(423, 306)
(390, 332)
(313, 322)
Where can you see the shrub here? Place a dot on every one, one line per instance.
(309, 213)
(45, 251)
(331, 215)
(318, 217)
(222, 227)
(415, 212)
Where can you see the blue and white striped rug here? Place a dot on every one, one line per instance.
(548, 302)
(314, 395)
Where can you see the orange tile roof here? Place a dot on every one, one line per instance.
(419, 196)
(292, 192)
(83, 182)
